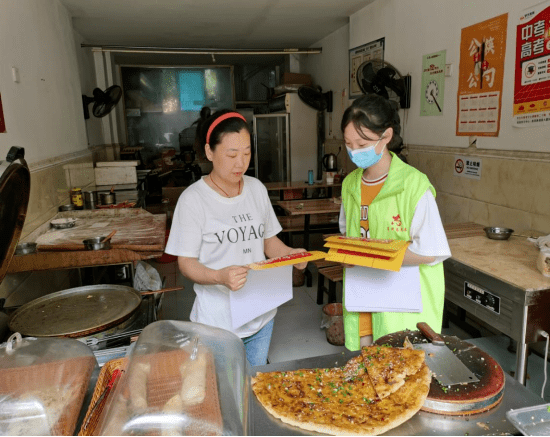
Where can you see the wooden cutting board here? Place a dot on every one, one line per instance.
(459, 400)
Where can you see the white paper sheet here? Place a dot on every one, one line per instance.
(264, 290)
(375, 290)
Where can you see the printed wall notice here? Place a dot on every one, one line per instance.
(433, 83)
(467, 167)
(367, 52)
(481, 72)
(2, 122)
(532, 75)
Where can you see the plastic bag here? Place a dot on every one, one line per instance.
(147, 278)
(541, 242)
(543, 262)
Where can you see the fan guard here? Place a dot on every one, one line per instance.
(382, 78)
(104, 101)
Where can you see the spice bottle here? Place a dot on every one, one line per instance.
(76, 198)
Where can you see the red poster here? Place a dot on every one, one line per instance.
(2, 122)
(532, 75)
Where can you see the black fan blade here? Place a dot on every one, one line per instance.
(367, 71)
(366, 87)
(366, 77)
(390, 78)
(310, 96)
(114, 93)
(101, 109)
(379, 88)
(106, 101)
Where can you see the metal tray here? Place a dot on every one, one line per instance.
(492, 422)
(76, 312)
(531, 420)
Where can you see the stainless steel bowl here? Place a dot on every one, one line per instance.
(63, 223)
(25, 248)
(68, 207)
(107, 198)
(495, 233)
(97, 243)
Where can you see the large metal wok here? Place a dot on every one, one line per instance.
(78, 312)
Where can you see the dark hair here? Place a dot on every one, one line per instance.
(376, 114)
(233, 124)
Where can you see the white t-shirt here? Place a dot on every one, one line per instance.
(221, 232)
(427, 233)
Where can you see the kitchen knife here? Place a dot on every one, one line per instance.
(444, 364)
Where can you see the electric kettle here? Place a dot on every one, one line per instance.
(330, 162)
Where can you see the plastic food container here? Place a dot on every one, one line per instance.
(43, 382)
(531, 420)
(182, 378)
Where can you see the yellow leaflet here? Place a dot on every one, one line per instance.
(366, 259)
(371, 243)
(391, 254)
(288, 260)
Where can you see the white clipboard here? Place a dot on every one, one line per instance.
(264, 290)
(375, 291)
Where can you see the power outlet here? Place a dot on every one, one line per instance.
(448, 70)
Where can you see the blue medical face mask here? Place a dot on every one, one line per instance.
(365, 158)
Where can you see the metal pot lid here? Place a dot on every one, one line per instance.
(76, 312)
(15, 186)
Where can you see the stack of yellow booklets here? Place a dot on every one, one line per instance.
(367, 252)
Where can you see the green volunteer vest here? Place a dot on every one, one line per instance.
(390, 216)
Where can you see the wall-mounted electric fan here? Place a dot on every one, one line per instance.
(382, 78)
(104, 101)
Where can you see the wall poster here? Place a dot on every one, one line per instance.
(481, 72)
(532, 75)
(358, 55)
(433, 83)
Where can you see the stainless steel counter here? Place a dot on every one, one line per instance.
(498, 282)
(492, 422)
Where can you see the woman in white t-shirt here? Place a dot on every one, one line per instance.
(222, 223)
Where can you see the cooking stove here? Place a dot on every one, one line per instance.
(122, 333)
(115, 342)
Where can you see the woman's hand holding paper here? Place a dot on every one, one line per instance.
(233, 277)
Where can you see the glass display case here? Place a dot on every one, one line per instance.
(182, 378)
(43, 382)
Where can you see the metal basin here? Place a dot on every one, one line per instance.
(107, 198)
(496, 233)
(68, 207)
(63, 223)
(97, 243)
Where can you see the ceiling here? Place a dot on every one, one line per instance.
(233, 24)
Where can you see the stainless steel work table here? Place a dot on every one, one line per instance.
(492, 422)
(498, 282)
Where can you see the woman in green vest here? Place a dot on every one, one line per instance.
(388, 199)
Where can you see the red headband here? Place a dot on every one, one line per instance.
(219, 120)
